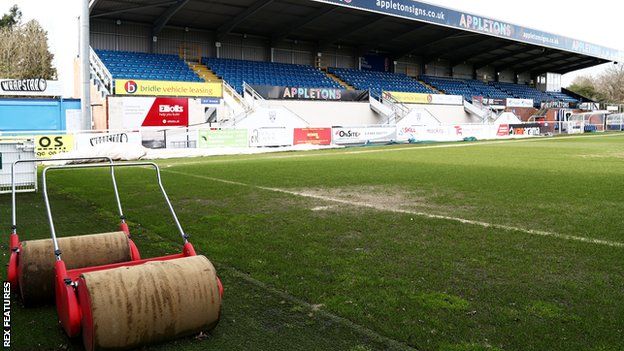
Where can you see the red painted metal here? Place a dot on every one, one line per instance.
(15, 247)
(67, 305)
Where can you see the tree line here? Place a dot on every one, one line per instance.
(607, 87)
(24, 51)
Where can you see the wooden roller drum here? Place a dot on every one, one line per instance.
(131, 306)
(36, 262)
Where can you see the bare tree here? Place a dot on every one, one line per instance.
(611, 84)
(608, 87)
(24, 51)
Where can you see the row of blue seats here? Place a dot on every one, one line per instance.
(160, 77)
(125, 64)
(377, 82)
(465, 87)
(135, 65)
(237, 72)
(493, 90)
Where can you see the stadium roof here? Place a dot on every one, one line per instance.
(397, 27)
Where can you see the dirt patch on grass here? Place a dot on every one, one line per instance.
(389, 198)
(616, 155)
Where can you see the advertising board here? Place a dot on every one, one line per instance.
(362, 135)
(222, 138)
(167, 88)
(312, 136)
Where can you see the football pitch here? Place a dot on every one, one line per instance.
(506, 245)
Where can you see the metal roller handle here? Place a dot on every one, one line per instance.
(33, 160)
(57, 251)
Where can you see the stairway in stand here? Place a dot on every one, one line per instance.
(339, 81)
(431, 87)
(204, 72)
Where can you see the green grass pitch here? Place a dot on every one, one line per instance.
(515, 245)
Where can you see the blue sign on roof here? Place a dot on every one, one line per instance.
(419, 11)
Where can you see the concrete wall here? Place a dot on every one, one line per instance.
(448, 114)
(524, 78)
(409, 65)
(440, 68)
(327, 114)
(507, 76)
(486, 73)
(463, 70)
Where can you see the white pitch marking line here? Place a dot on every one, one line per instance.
(302, 154)
(414, 213)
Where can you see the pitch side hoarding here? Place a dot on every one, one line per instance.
(166, 88)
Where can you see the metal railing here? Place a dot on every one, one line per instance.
(100, 72)
(249, 89)
(35, 161)
(400, 110)
(57, 251)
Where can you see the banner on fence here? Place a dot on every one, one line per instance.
(270, 137)
(167, 88)
(362, 135)
(519, 102)
(87, 141)
(135, 112)
(316, 94)
(525, 129)
(462, 131)
(221, 138)
(312, 136)
(433, 99)
(30, 87)
(47, 146)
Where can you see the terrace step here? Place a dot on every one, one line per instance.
(339, 81)
(431, 87)
(204, 72)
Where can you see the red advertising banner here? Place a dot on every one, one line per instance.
(503, 130)
(312, 136)
(166, 112)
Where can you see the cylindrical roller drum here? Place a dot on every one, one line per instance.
(36, 261)
(132, 306)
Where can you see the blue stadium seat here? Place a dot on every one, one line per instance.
(237, 72)
(377, 82)
(465, 87)
(493, 90)
(138, 65)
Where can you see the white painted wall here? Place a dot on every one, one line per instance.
(327, 114)
(448, 114)
(463, 70)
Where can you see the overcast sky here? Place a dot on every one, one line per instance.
(598, 21)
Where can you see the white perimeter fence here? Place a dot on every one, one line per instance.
(44, 145)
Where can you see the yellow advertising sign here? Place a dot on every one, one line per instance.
(411, 98)
(418, 98)
(47, 146)
(165, 88)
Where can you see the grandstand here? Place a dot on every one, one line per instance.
(135, 65)
(237, 72)
(138, 65)
(523, 92)
(335, 44)
(465, 87)
(377, 82)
